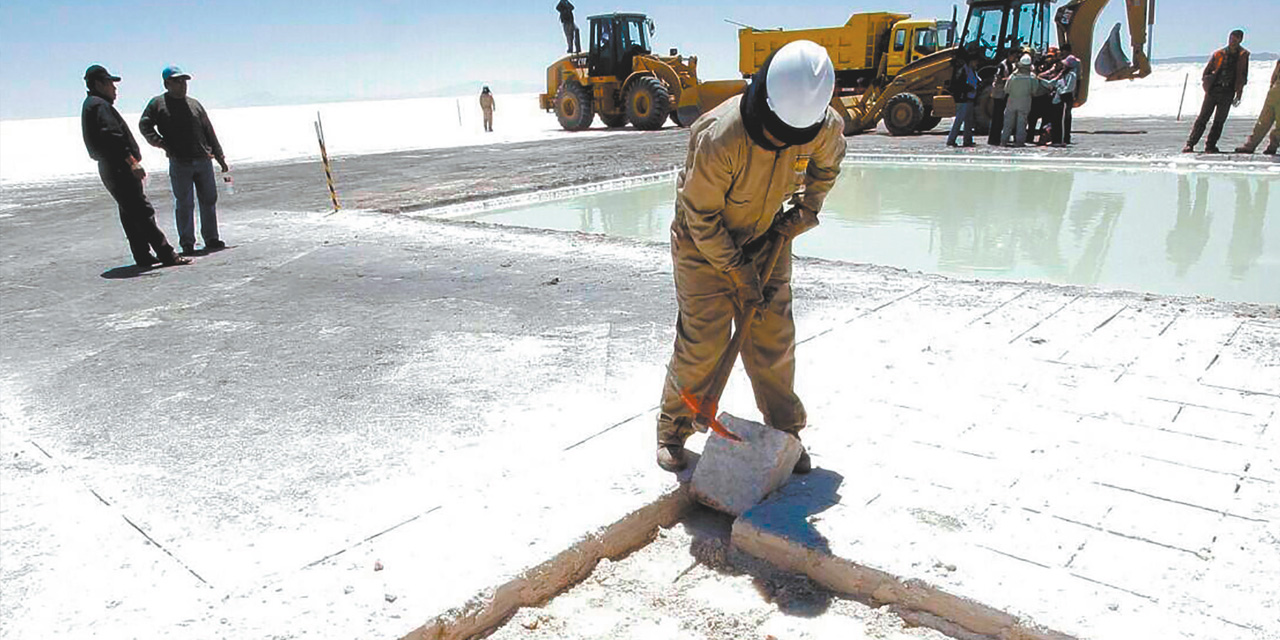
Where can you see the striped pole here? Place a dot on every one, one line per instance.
(324, 157)
(1184, 95)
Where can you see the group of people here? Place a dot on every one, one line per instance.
(172, 121)
(1223, 80)
(1032, 98)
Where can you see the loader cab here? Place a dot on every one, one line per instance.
(996, 26)
(616, 38)
(911, 40)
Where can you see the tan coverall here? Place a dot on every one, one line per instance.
(726, 196)
(1269, 117)
(486, 105)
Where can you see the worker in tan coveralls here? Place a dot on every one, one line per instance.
(778, 144)
(486, 105)
(1269, 119)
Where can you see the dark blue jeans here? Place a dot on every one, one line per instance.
(964, 116)
(183, 175)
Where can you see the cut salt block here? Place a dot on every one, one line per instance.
(734, 476)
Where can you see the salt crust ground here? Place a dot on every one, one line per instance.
(230, 450)
(689, 584)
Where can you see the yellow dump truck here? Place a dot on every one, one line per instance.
(868, 53)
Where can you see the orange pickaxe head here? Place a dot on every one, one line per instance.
(707, 414)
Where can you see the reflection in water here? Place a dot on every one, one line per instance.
(977, 220)
(634, 213)
(1246, 234)
(1190, 233)
(1102, 212)
(1088, 227)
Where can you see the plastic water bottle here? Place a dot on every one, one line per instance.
(228, 184)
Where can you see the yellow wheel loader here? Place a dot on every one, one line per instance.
(622, 80)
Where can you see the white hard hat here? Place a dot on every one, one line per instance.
(1025, 60)
(799, 83)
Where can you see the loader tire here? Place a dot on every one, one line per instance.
(614, 120)
(573, 107)
(648, 103)
(903, 113)
(983, 107)
(928, 122)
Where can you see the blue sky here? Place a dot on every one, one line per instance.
(243, 52)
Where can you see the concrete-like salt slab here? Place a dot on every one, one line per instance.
(734, 476)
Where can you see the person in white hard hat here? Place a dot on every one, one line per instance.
(758, 169)
(1021, 88)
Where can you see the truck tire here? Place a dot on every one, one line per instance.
(615, 120)
(573, 107)
(903, 113)
(648, 103)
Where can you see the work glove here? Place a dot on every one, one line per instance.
(793, 222)
(746, 286)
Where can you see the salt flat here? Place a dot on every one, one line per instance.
(234, 449)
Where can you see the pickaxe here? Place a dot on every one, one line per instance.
(705, 409)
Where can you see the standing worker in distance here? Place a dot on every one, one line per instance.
(109, 141)
(570, 30)
(1223, 80)
(178, 123)
(779, 143)
(1269, 119)
(1064, 97)
(1000, 99)
(964, 87)
(487, 106)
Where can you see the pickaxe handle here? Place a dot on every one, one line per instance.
(724, 366)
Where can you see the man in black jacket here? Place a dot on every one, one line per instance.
(570, 30)
(109, 141)
(178, 123)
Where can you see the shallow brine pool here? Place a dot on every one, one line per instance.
(1181, 232)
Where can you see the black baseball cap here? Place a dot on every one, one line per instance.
(99, 72)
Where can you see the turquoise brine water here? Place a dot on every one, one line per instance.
(1175, 232)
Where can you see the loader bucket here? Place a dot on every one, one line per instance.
(712, 92)
(1112, 63)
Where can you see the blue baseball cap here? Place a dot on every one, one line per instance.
(172, 72)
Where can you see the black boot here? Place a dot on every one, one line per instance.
(671, 457)
(804, 464)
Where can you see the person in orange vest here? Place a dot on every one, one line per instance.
(1223, 80)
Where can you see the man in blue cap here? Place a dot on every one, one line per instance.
(109, 141)
(178, 123)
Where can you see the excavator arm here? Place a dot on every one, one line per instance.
(1076, 21)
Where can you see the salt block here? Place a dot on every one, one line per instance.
(734, 476)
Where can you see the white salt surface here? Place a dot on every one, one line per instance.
(1157, 95)
(51, 148)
